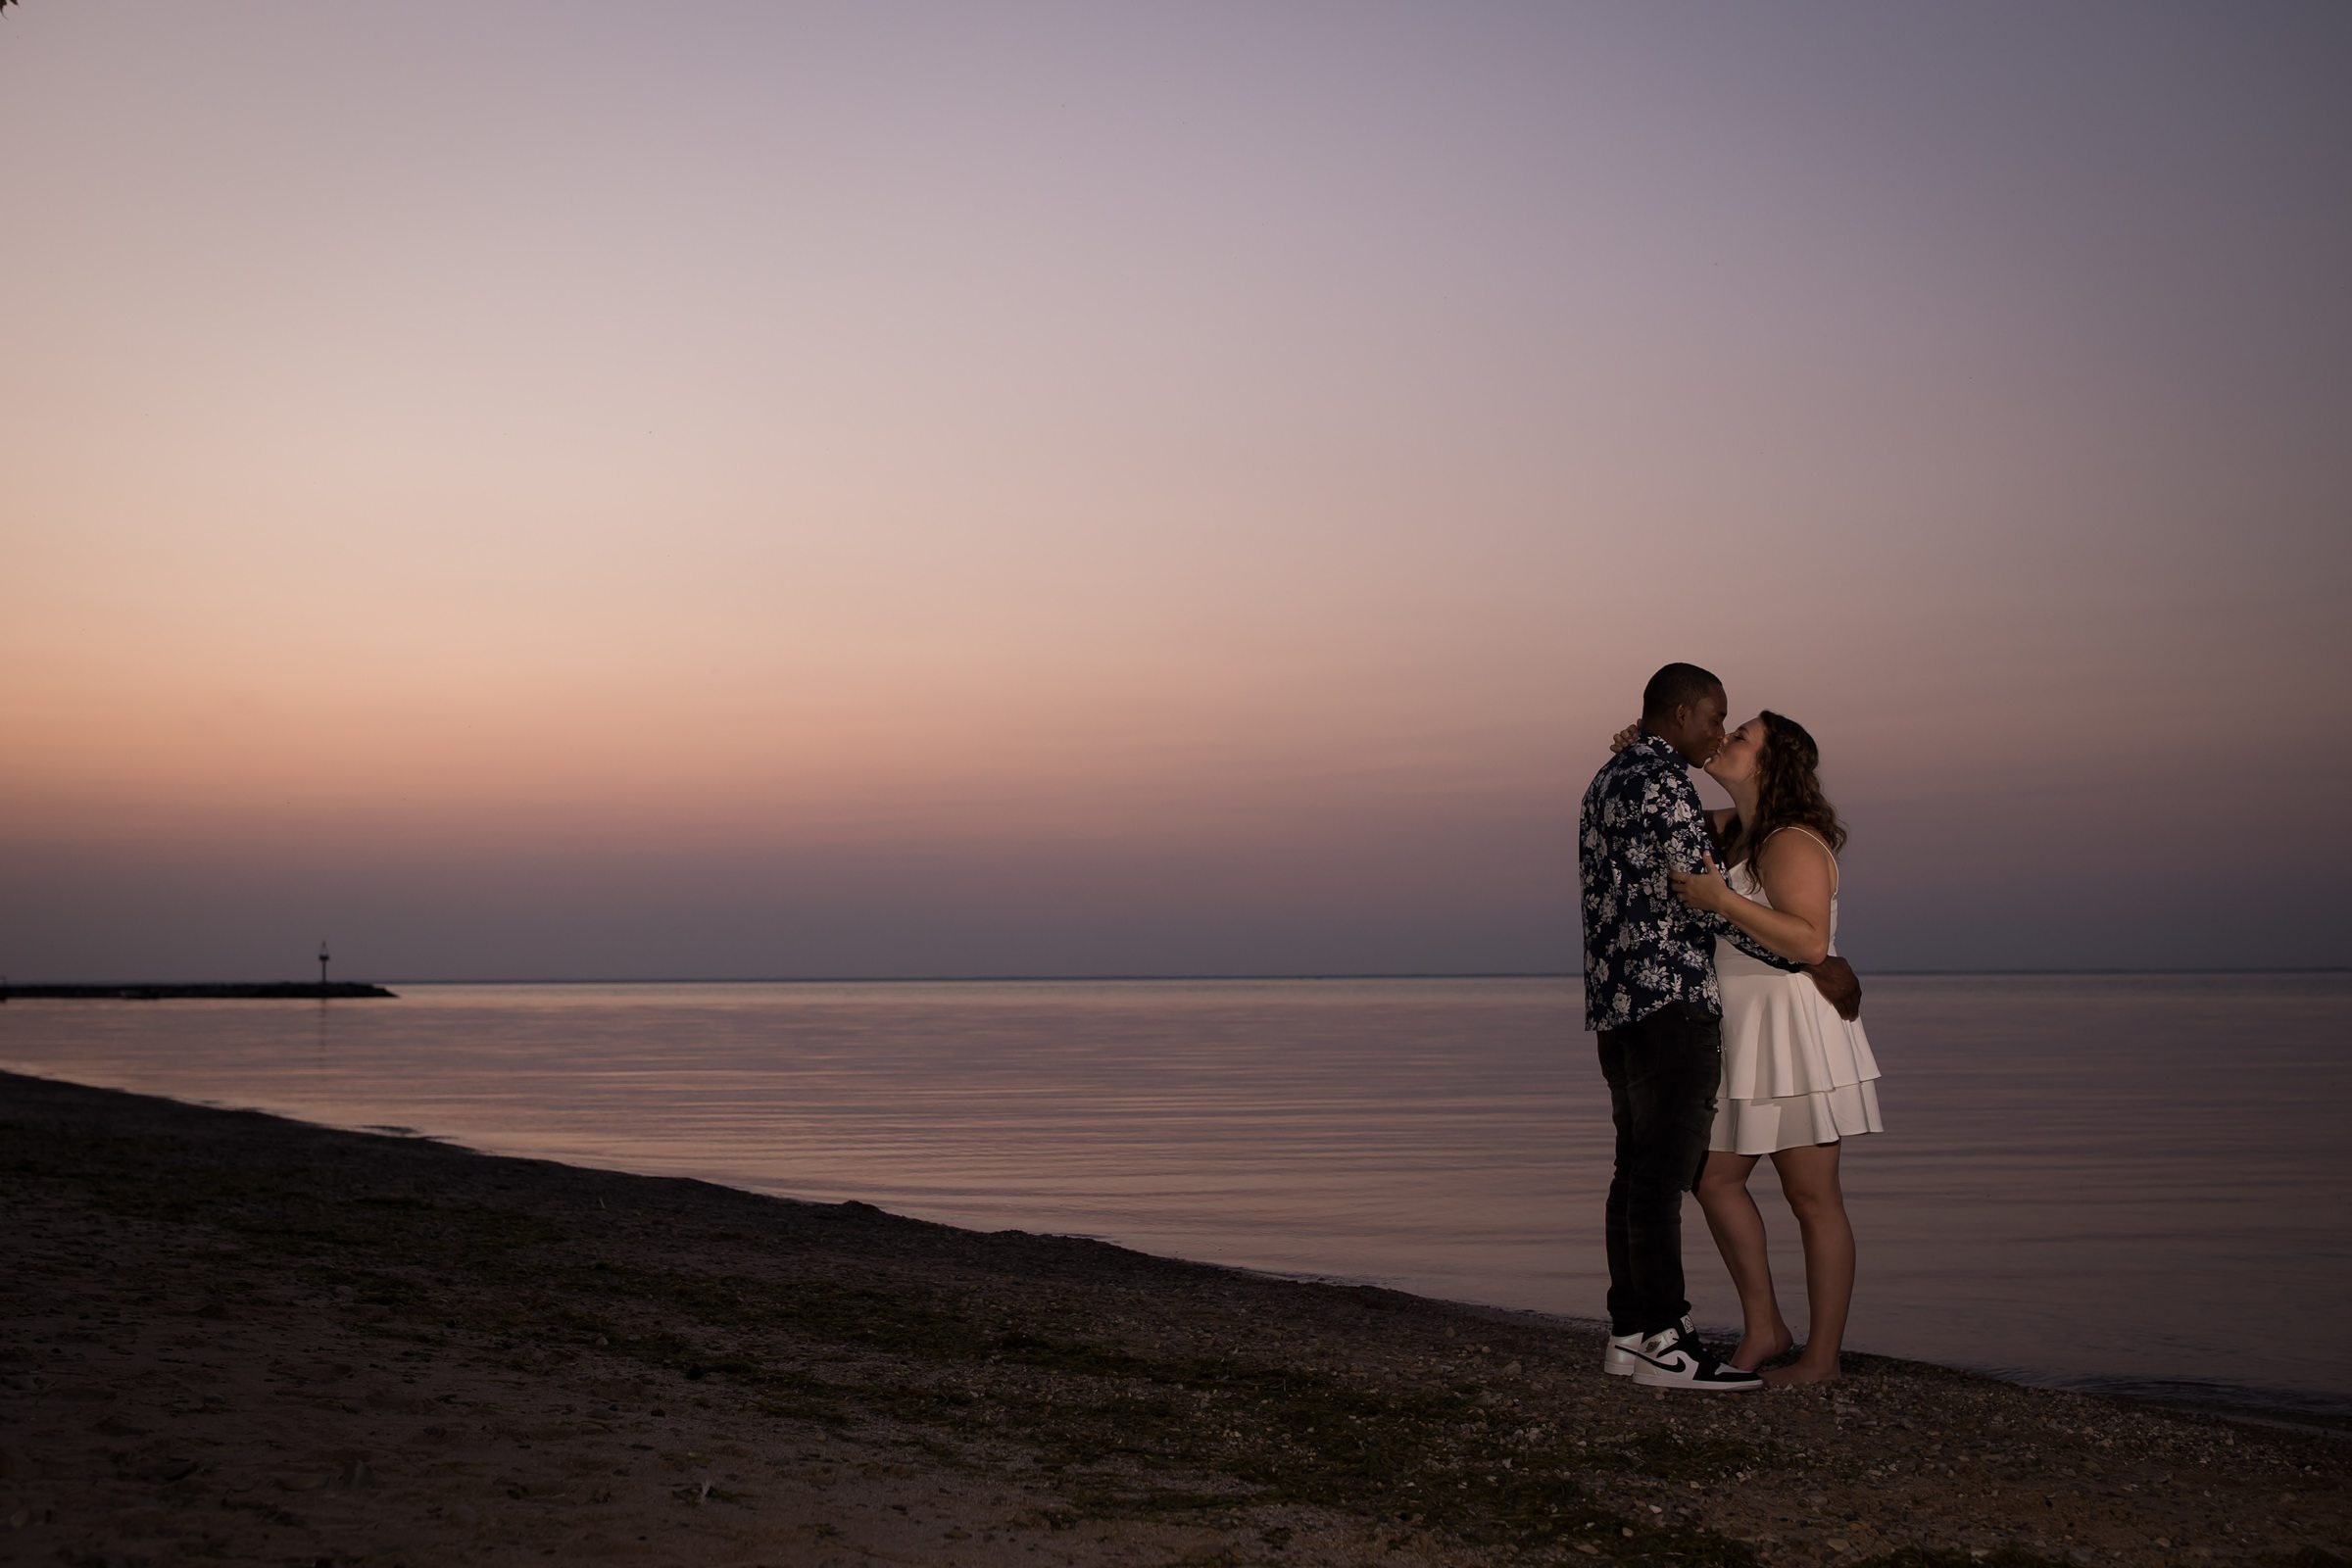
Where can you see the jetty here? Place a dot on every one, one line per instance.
(218, 991)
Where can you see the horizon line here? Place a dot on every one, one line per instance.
(7, 985)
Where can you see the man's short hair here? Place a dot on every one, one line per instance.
(1676, 686)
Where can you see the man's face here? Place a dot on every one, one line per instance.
(1703, 728)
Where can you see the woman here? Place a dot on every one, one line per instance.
(1798, 1079)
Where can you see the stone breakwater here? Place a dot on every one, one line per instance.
(224, 991)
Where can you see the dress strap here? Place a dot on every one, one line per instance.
(1815, 838)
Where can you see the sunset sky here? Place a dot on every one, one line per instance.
(562, 490)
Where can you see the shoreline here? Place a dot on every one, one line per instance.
(2264, 1407)
(2248, 1404)
(236, 1335)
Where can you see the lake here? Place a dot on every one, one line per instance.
(2118, 1181)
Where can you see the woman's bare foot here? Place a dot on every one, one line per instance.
(1753, 1352)
(1800, 1371)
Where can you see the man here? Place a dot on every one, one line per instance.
(1651, 995)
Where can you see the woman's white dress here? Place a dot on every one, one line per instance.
(1793, 1073)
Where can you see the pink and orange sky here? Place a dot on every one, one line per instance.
(577, 489)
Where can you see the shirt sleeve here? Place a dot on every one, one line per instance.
(1750, 945)
(1636, 830)
(1682, 825)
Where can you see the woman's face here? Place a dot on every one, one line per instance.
(1736, 761)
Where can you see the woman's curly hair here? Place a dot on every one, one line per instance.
(1788, 792)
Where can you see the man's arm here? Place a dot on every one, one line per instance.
(1681, 824)
(1747, 944)
(1835, 977)
(1799, 888)
(1791, 915)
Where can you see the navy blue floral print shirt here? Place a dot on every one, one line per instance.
(1644, 947)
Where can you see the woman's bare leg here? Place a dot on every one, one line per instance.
(1809, 1180)
(1740, 1237)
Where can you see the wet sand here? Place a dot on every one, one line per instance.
(229, 1337)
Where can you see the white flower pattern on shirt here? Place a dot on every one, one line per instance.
(1644, 947)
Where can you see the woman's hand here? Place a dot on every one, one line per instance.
(1702, 889)
(1624, 738)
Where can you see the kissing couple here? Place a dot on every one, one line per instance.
(1728, 1029)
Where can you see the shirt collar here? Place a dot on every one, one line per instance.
(1657, 747)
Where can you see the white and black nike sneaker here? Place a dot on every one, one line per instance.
(1673, 1358)
(1620, 1359)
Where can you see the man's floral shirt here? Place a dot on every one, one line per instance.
(1644, 947)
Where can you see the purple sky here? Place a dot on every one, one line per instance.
(582, 489)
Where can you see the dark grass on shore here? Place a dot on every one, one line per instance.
(1128, 1387)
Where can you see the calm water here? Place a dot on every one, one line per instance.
(2130, 1183)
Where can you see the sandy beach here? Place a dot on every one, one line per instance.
(235, 1338)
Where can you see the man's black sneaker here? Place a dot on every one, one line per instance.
(1673, 1358)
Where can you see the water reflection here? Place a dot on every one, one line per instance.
(2081, 1173)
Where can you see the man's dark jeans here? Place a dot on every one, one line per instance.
(1662, 1071)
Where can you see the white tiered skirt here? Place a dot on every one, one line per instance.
(1793, 1073)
